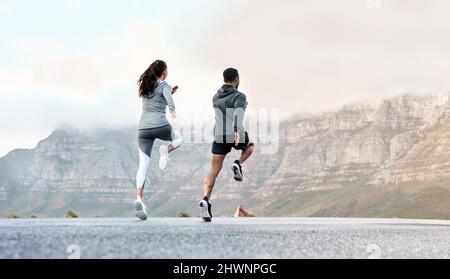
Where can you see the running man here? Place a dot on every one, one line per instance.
(229, 132)
(156, 95)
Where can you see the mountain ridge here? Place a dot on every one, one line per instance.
(388, 159)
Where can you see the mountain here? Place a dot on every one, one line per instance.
(389, 159)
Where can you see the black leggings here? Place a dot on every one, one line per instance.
(147, 137)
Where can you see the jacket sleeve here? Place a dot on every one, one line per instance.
(240, 105)
(167, 93)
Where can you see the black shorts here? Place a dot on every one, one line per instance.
(225, 148)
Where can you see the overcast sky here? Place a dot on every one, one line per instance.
(77, 62)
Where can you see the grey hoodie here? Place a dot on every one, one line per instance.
(229, 107)
(154, 107)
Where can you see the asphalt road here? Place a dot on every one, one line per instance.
(254, 238)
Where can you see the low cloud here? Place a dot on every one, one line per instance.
(97, 88)
(298, 56)
(311, 56)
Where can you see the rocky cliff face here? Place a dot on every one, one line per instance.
(390, 159)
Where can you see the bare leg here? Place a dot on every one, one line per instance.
(170, 148)
(164, 151)
(210, 181)
(176, 142)
(140, 193)
(246, 154)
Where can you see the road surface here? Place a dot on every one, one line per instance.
(225, 238)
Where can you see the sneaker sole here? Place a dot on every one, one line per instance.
(202, 207)
(140, 211)
(237, 174)
(163, 157)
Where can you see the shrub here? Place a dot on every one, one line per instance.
(71, 214)
(183, 214)
(13, 216)
(34, 216)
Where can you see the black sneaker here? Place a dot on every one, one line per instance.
(237, 170)
(205, 210)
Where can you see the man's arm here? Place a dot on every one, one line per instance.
(240, 105)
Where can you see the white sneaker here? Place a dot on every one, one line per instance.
(141, 210)
(205, 210)
(164, 157)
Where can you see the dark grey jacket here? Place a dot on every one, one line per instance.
(229, 107)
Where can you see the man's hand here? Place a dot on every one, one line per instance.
(237, 138)
(174, 90)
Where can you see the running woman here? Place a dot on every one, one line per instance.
(229, 132)
(156, 96)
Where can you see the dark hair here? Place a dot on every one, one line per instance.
(147, 82)
(230, 74)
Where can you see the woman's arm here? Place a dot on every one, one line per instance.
(167, 93)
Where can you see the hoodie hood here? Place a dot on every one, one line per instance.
(226, 91)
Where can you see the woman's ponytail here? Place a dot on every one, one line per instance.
(148, 80)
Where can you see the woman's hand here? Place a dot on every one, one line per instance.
(174, 90)
(173, 113)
